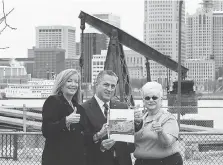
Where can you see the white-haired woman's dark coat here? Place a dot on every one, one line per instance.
(63, 146)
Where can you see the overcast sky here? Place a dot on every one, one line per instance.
(28, 14)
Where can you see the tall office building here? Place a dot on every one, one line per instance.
(72, 63)
(78, 48)
(217, 4)
(109, 18)
(201, 71)
(48, 62)
(205, 34)
(136, 65)
(218, 38)
(204, 42)
(161, 27)
(98, 62)
(134, 61)
(30, 53)
(93, 44)
(62, 37)
(199, 28)
(211, 5)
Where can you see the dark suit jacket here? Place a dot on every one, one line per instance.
(61, 145)
(94, 155)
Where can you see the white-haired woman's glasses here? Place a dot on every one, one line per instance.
(153, 98)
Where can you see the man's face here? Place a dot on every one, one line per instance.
(105, 89)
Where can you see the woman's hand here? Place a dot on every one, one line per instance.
(73, 118)
(165, 139)
(156, 127)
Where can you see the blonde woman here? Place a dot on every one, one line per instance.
(64, 122)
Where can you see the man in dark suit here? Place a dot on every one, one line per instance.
(105, 151)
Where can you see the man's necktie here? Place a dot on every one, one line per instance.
(106, 109)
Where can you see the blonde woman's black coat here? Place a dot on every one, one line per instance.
(63, 146)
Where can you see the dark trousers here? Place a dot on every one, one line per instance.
(116, 161)
(174, 159)
(111, 161)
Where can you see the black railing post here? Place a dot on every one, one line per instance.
(15, 149)
(81, 61)
(179, 65)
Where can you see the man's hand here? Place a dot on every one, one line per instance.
(103, 131)
(99, 135)
(107, 144)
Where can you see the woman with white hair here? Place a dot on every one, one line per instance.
(64, 122)
(156, 142)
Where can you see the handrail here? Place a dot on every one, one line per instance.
(201, 133)
(40, 133)
(21, 106)
(30, 107)
(20, 133)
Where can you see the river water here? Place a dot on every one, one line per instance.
(208, 109)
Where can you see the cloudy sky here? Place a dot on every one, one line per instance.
(28, 14)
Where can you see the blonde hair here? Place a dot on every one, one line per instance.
(62, 78)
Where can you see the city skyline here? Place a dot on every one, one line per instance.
(161, 33)
(29, 14)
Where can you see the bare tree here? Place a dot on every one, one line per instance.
(3, 21)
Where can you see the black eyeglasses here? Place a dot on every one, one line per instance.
(153, 97)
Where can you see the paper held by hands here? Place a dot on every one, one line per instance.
(121, 125)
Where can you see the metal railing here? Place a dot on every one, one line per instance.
(196, 148)
(20, 148)
(200, 142)
(201, 148)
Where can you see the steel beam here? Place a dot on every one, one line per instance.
(133, 43)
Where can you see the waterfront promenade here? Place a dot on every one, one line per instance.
(196, 148)
(198, 145)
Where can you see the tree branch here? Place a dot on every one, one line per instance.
(2, 30)
(4, 17)
(4, 20)
(3, 6)
(4, 48)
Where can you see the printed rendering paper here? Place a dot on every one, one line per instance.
(121, 125)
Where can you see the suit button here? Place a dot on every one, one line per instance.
(82, 133)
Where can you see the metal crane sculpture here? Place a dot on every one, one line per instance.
(115, 59)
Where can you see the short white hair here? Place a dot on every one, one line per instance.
(153, 85)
